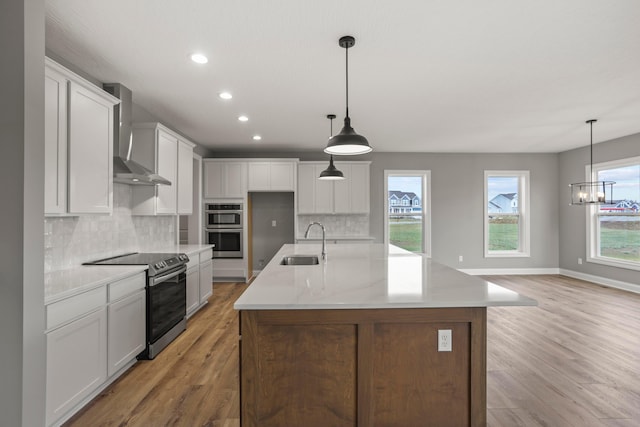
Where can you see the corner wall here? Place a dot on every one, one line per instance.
(573, 223)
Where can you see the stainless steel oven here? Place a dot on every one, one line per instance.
(223, 215)
(227, 241)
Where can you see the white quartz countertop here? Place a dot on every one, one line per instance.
(193, 249)
(66, 283)
(316, 238)
(369, 276)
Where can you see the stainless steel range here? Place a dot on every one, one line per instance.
(166, 295)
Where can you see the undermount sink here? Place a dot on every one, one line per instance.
(299, 260)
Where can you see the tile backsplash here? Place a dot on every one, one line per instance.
(335, 225)
(70, 241)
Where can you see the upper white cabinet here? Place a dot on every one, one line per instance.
(224, 178)
(78, 144)
(348, 196)
(185, 178)
(169, 155)
(272, 175)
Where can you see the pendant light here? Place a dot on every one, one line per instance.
(347, 142)
(592, 192)
(331, 173)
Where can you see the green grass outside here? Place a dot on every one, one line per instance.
(616, 241)
(620, 240)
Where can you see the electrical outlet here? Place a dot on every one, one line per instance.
(444, 339)
(579, 260)
(273, 223)
(460, 258)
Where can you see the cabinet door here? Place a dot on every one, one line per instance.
(90, 152)
(235, 179)
(55, 142)
(213, 185)
(282, 176)
(323, 197)
(193, 289)
(342, 190)
(259, 176)
(167, 158)
(306, 188)
(76, 362)
(185, 179)
(126, 330)
(206, 279)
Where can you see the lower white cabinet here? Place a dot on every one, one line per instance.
(76, 362)
(91, 338)
(206, 280)
(193, 289)
(126, 330)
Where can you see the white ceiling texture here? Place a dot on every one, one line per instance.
(424, 75)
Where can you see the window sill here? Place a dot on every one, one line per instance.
(629, 265)
(507, 254)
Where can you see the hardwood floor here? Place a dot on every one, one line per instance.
(572, 361)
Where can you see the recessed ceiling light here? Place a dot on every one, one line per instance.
(257, 137)
(243, 118)
(225, 95)
(199, 58)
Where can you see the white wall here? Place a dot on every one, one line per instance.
(22, 344)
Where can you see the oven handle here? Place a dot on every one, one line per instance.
(157, 280)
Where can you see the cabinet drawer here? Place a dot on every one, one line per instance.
(71, 308)
(206, 256)
(126, 286)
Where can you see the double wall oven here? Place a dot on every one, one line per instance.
(224, 229)
(166, 296)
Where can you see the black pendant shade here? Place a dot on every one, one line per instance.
(331, 173)
(347, 142)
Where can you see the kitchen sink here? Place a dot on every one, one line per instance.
(299, 260)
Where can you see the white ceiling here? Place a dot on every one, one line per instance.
(424, 75)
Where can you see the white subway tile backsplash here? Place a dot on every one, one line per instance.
(70, 241)
(335, 225)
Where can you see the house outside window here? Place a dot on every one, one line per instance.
(506, 222)
(614, 228)
(407, 215)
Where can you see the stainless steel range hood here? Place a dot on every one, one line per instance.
(126, 170)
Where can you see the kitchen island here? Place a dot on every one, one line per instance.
(354, 340)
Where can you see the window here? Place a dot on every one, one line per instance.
(506, 223)
(407, 220)
(614, 229)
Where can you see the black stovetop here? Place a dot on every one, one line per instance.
(157, 262)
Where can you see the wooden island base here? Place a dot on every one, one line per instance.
(362, 367)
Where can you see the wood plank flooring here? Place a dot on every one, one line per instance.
(572, 361)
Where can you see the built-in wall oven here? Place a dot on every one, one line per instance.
(224, 229)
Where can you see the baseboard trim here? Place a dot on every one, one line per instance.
(610, 283)
(508, 271)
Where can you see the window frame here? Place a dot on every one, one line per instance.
(593, 217)
(426, 205)
(524, 213)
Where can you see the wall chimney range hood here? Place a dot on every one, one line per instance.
(126, 170)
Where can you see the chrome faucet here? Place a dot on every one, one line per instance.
(306, 234)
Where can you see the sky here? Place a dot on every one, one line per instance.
(627, 182)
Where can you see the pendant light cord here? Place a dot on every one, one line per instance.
(591, 123)
(347, 76)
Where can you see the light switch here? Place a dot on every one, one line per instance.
(273, 222)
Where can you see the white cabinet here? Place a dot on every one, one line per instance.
(166, 153)
(270, 175)
(127, 322)
(55, 142)
(76, 362)
(78, 144)
(224, 178)
(193, 289)
(206, 279)
(185, 178)
(348, 196)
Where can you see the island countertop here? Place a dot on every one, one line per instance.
(369, 276)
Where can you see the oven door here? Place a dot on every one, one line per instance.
(228, 242)
(167, 303)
